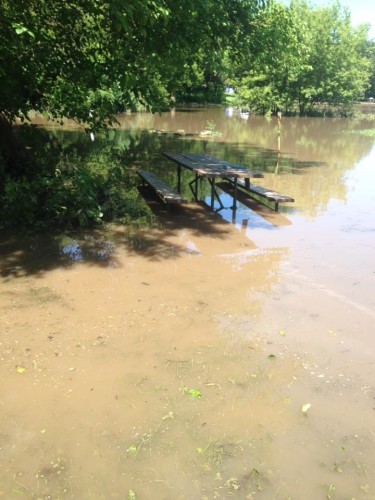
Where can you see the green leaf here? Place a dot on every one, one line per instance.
(20, 29)
(192, 393)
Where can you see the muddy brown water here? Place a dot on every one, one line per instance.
(217, 355)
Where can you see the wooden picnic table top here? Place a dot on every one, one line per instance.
(208, 166)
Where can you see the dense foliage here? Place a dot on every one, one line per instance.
(76, 182)
(310, 57)
(86, 59)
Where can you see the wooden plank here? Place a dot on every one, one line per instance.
(226, 166)
(268, 214)
(167, 194)
(207, 166)
(195, 166)
(265, 193)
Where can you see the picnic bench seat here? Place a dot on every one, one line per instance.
(165, 193)
(272, 216)
(262, 192)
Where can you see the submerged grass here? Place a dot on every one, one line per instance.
(370, 132)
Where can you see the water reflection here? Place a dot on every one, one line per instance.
(72, 250)
(242, 218)
(259, 317)
(89, 249)
(308, 160)
(326, 169)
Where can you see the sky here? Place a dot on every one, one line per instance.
(362, 11)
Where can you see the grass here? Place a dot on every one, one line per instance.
(370, 132)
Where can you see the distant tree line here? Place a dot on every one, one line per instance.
(308, 58)
(298, 58)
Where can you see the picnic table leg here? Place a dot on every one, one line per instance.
(234, 194)
(196, 186)
(178, 177)
(212, 192)
(194, 189)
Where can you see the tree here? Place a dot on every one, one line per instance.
(309, 56)
(88, 59)
(270, 80)
(340, 67)
(369, 50)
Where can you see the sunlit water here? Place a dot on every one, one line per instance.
(220, 355)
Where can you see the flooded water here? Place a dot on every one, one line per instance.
(215, 355)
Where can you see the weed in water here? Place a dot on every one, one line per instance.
(132, 450)
(254, 481)
(210, 129)
(232, 484)
(330, 491)
(366, 132)
(216, 451)
(192, 393)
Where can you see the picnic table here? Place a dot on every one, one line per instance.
(210, 168)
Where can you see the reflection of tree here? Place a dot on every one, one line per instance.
(143, 121)
(315, 153)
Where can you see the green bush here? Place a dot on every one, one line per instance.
(74, 181)
(73, 197)
(19, 202)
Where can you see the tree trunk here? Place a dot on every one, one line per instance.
(16, 159)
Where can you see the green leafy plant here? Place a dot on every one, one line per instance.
(192, 393)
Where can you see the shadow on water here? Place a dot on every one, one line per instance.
(37, 254)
